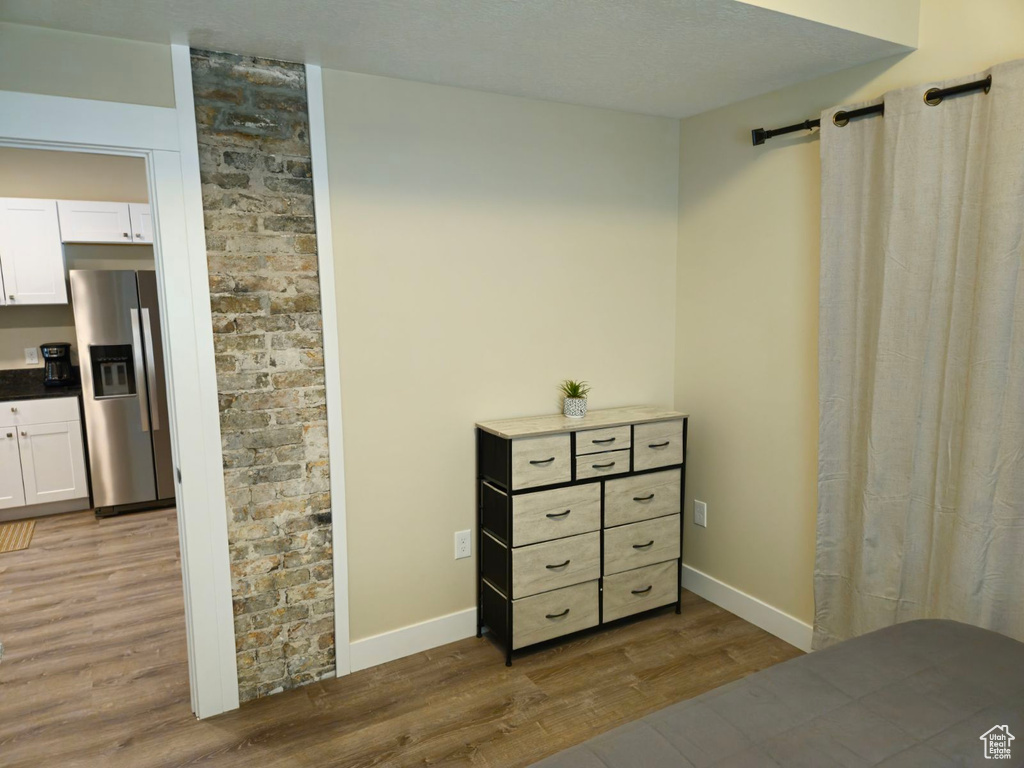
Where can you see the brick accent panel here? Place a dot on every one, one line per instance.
(252, 122)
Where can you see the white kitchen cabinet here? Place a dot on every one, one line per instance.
(12, 488)
(90, 221)
(52, 462)
(31, 254)
(142, 222)
(42, 454)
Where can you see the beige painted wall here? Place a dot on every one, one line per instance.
(486, 248)
(68, 176)
(895, 20)
(58, 63)
(748, 304)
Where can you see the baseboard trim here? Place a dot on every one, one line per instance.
(388, 646)
(44, 510)
(785, 627)
(415, 638)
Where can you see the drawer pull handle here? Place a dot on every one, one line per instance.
(643, 591)
(602, 442)
(658, 445)
(644, 546)
(557, 515)
(10, 434)
(561, 565)
(606, 465)
(541, 462)
(648, 497)
(557, 615)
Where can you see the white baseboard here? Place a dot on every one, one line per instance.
(388, 646)
(43, 510)
(415, 638)
(749, 608)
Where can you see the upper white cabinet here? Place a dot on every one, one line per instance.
(32, 234)
(142, 222)
(85, 221)
(91, 221)
(31, 255)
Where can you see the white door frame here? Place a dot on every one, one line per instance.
(332, 362)
(166, 139)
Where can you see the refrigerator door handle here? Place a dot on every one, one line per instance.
(140, 387)
(147, 333)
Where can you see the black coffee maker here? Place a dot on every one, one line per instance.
(57, 365)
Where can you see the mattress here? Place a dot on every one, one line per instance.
(925, 693)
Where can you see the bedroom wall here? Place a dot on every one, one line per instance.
(58, 63)
(487, 247)
(746, 363)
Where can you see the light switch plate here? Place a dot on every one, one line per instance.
(31, 356)
(463, 544)
(700, 513)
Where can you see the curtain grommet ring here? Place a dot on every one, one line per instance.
(988, 84)
(931, 98)
(839, 119)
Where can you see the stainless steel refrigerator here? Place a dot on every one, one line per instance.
(124, 392)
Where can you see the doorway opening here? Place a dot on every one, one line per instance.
(160, 142)
(92, 608)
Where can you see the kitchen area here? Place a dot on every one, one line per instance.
(83, 403)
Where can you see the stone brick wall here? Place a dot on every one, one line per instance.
(252, 121)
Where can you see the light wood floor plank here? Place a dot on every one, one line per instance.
(95, 674)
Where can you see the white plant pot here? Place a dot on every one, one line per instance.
(575, 407)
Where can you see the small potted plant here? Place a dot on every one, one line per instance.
(574, 404)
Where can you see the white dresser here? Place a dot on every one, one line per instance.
(578, 521)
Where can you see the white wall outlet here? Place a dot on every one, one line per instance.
(31, 356)
(700, 513)
(463, 544)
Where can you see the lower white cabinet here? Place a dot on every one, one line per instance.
(52, 462)
(42, 454)
(12, 488)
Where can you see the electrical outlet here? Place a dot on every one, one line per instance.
(700, 513)
(31, 356)
(463, 544)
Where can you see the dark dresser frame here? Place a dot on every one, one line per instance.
(495, 537)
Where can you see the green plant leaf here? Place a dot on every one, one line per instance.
(573, 388)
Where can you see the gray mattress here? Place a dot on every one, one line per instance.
(917, 694)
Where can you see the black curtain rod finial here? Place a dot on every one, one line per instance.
(758, 136)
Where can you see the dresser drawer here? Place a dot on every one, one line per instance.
(553, 614)
(641, 589)
(657, 444)
(637, 544)
(597, 440)
(641, 497)
(601, 464)
(45, 410)
(546, 515)
(554, 564)
(538, 461)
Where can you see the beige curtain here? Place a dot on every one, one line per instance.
(921, 363)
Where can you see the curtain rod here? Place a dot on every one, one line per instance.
(932, 97)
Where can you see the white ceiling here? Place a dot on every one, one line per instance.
(660, 57)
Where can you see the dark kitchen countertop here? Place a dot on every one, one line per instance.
(27, 384)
